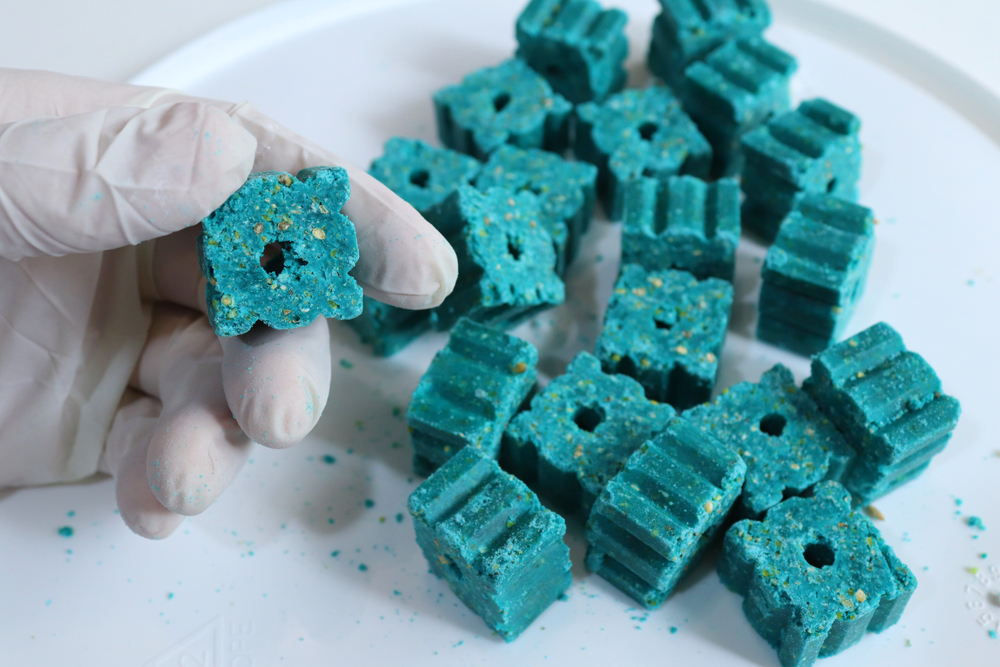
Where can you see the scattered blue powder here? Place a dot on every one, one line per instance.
(396, 593)
(369, 503)
(984, 555)
(346, 364)
(71, 513)
(673, 630)
(66, 531)
(958, 501)
(363, 567)
(329, 459)
(399, 519)
(976, 522)
(397, 411)
(335, 553)
(330, 520)
(170, 596)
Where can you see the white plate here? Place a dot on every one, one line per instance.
(253, 581)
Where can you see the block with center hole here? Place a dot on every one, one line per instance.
(468, 395)
(506, 104)
(689, 30)
(889, 404)
(684, 224)
(279, 251)
(815, 273)
(815, 575)
(485, 533)
(787, 442)
(576, 45)
(637, 134)
(812, 150)
(566, 192)
(579, 432)
(666, 329)
(424, 176)
(506, 258)
(654, 518)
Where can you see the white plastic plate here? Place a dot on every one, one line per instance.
(292, 567)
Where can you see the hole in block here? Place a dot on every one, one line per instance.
(773, 425)
(420, 178)
(832, 185)
(647, 130)
(649, 172)
(553, 71)
(588, 418)
(273, 259)
(455, 571)
(662, 324)
(514, 251)
(501, 101)
(819, 555)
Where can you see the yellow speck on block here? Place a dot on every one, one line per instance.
(680, 349)
(639, 291)
(656, 281)
(509, 217)
(710, 358)
(645, 363)
(482, 232)
(794, 466)
(709, 506)
(286, 312)
(616, 358)
(258, 228)
(852, 343)
(319, 233)
(444, 561)
(873, 512)
(578, 452)
(860, 596)
(227, 301)
(511, 202)
(519, 368)
(283, 225)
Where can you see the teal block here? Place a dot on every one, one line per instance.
(576, 45)
(424, 176)
(684, 224)
(566, 192)
(638, 134)
(485, 533)
(580, 431)
(815, 576)
(506, 259)
(389, 329)
(737, 88)
(652, 516)
(666, 329)
(786, 442)
(889, 404)
(812, 150)
(689, 30)
(506, 104)
(469, 393)
(278, 251)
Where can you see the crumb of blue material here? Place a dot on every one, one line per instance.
(815, 575)
(469, 393)
(278, 251)
(485, 533)
(423, 175)
(369, 503)
(329, 459)
(506, 104)
(389, 329)
(506, 258)
(579, 432)
(889, 404)
(684, 224)
(786, 442)
(362, 567)
(815, 273)
(399, 518)
(666, 330)
(673, 630)
(689, 30)
(566, 192)
(636, 134)
(737, 88)
(66, 531)
(579, 47)
(655, 515)
(814, 149)
(976, 522)
(993, 634)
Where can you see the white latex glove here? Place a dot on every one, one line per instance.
(101, 335)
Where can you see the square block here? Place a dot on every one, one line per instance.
(506, 104)
(424, 176)
(485, 533)
(389, 329)
(506, 258)
(683, 224)
(889, 404)
(738, 87)
(566, 192)
(637, 134)
(653, 514)
(812, 150)
(469, 393)
(278, 251)
(815, 576)
(688, 30)
(786, 442)
(580, 431)
(666, 330)
(576, 45)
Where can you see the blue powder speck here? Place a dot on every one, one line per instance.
(66, 531)
(363, 567)
(976, 522)
(329, 460)
(399, 518)
(673, 630)
(993, 634)
(958, 501)
(335, 553)
(346, 364)
(71, 514)
(170, 596)
(369, 503)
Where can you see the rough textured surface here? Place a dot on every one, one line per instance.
(651, 518)
(688, 30)
(666, 329)
(506, 258)
(815, 576)
(815, 273)
(636, 134)
(787, 443)
(888, 403)
(486, 534)
(814, 149)
(580, 431)
(576, 45)
(507, 104)
(424, 176)
(293, 225)
(468, 395)
(566, 192)
(389, 329)
(737, 88)
(683, 224)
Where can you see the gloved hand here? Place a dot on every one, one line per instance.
(102, 332)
